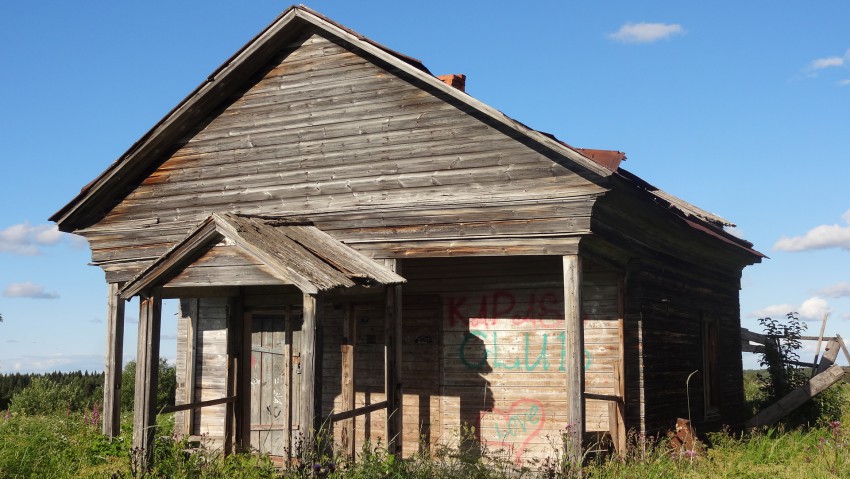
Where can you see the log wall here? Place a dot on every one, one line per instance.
(377, 161)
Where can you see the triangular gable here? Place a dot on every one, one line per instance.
(293, 251)
(116, 182)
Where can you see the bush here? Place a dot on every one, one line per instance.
(43, 397)
(165, 392)
(783, 377)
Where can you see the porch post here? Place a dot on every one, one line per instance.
(147, 373)
(114, 363)
(347, 349)
(574, 355)
(392, 363)
(311, 368)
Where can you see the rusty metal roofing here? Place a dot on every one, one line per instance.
(293, 249)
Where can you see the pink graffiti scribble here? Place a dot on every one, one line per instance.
(516, 426)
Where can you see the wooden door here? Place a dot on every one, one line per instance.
(271, 382)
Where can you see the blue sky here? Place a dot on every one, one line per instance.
(738, 107)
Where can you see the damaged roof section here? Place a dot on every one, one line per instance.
(293, 250)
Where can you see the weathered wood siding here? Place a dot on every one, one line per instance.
(675, 282)
(210, 367)
(501, 335)
(672, 308)
(377, 161)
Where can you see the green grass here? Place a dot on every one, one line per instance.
(64, 445)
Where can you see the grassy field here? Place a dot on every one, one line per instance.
(68, 445)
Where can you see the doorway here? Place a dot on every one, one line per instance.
(274, 367)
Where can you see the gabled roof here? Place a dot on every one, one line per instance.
(295, 251)
(129, 170)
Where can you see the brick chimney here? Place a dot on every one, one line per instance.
(454, 80)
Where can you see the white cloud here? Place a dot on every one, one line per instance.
(28, 290)
(827, 62)
(646, 32)
(838, 290)
(56, 362)
(834, 61)
(26, 239)
(773, 311)
(844, 82)
(819, 237)
(813, 309)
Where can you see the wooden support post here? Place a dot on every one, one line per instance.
(392, 364)
(114, 362)
(191, 359)
(243, 403)
(349, 341)
(574, 355)
(147, 374)
(311, 368)
(232, 428)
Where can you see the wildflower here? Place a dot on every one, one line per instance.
(690, 454)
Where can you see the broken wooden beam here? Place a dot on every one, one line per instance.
(797, 397)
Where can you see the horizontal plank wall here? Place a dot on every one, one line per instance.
(675, 284)
(602, 313)
(502, 347)
(373, 159)
(674, 308)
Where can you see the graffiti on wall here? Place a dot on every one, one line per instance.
(519, 331)
(515, 427)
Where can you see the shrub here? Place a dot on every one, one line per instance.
(166, 390)
(783, 377)
(44, 396)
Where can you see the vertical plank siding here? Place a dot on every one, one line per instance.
(210, 367)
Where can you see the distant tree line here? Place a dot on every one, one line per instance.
(88, 384)
(75, 391)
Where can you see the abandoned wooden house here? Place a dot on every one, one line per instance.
(361, 245)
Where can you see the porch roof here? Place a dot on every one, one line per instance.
(295, 251)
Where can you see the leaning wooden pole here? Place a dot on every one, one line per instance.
(114, 362)
(147, 375)
(574, 355)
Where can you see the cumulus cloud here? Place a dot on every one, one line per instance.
(819, 237)
(773, 311)
(838, 290)
(646, 32)
(26, 239)
(28, 290)
(811, 309)
(844, 82)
